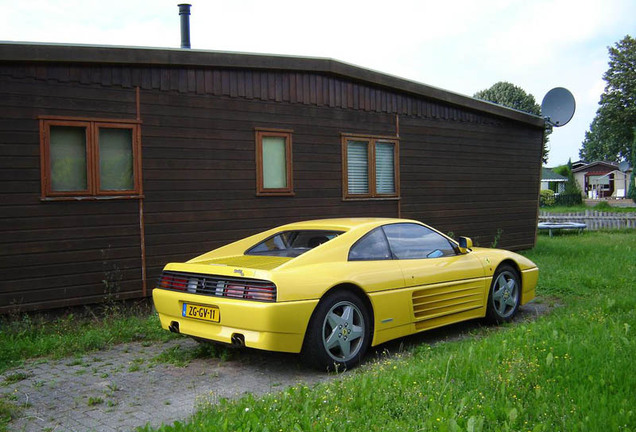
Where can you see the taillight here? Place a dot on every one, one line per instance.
(169, 281)
(251, 292)
(261, 292)
(234, 290)
(179, 283)
(166, 281)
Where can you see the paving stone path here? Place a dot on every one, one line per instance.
(123, 388)
(126, 387)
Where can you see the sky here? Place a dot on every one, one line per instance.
(458, 45)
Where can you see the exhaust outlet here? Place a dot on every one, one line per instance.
(238, 340)
(174, 327)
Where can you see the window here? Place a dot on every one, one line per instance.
(292, 243)
(412, 241)
(274, 162)
(371, 247)
(401, 241)
(370, 167)
(90, 158)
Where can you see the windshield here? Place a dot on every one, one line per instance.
(292, 243)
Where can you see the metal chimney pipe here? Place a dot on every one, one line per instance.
(184, 13)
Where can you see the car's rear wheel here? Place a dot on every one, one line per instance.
(504, 295)
(338, 334)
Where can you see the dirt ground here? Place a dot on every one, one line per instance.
(123, 388)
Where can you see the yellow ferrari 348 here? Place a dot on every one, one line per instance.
(329, 289)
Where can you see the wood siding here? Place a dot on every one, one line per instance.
(476, 180)
(462, 171)
(56, 254)
(258, 85)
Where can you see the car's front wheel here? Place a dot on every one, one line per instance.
(339, 332)
(504, 296)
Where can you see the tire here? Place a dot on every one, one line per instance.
(504, 295)
(338, 333)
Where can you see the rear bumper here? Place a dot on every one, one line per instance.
(529, 280)
(266, 326)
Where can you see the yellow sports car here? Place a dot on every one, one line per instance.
(330, 288)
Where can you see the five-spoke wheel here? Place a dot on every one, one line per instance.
(343, 331)
(339, 332)
(504, 296)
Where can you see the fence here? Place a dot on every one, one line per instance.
(594, 219)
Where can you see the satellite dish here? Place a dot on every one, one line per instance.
(558, 106)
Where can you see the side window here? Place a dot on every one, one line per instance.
(90, 158)
(116, 162)
(370, 167)
(371, 247)
(274, 162)
(412, 241)
(67, 162)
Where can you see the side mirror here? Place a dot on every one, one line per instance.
(465, 244)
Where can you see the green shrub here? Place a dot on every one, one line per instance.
(546, 198)
(572, 194)
(567, 200)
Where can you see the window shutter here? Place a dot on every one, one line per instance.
(384, 168)
(358, 167)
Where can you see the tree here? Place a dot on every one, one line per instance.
(612, 131)
(631, 193)
(571, 187)
(563, 170)
(572, 194)
(511, 96)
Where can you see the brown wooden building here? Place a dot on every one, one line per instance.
(115, 161)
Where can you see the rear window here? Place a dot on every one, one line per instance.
(292, 243)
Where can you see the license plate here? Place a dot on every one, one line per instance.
(207, 313)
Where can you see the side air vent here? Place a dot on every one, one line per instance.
(433, 303)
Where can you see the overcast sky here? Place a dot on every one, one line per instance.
(459, 45)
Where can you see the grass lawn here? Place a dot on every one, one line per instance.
(571, 370)
(582, 208)
(31, 336)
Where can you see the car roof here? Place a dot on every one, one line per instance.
(340, 224)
